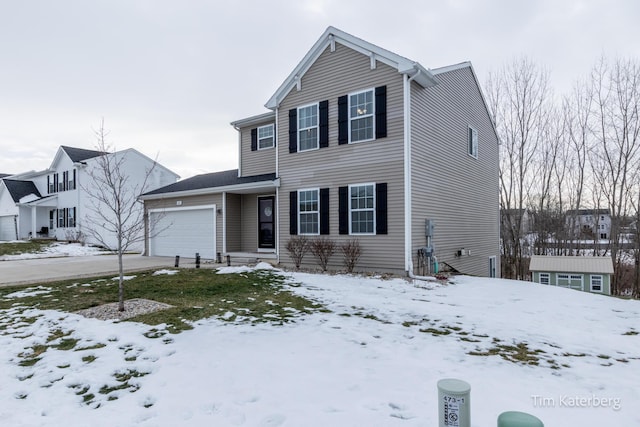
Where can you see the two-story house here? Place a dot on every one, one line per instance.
(590, 223)
(58, 202)
(359, 143)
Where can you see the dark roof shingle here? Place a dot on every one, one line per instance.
(80, 154)
(211, 180)
(19, 189)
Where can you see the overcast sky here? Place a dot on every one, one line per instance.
(168, 76)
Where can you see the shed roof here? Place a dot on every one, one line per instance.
(572, 264)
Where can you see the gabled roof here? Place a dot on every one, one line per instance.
(80, 154)
(572, 264)
(210, 183)
(333, 35)
(4, 175)
(588, 212)
(19, 189)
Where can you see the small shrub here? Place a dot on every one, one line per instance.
(298, 247)
(351, 252)
(75, 236)
(323, 248)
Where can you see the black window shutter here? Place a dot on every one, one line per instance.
(381, 208)
(323, 111)
(324, 211)
(381, 112)
(254, 139)
(343, 210)
(55, 183)
(65, 212)
(65, 180)
(293, 130)
(293, 213)
(48, 184)
(343, 120)
(74, 179)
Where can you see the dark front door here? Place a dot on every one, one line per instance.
(266, 222)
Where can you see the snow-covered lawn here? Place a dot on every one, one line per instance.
(58, 249)
(570, 358)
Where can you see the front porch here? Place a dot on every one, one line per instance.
(37, 219)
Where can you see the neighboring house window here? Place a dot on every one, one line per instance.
(596, 283)
(71, 217)
(544, 278)
(51, 184)
(362, 209)
(71, 180)
(602, 218)
(472, 142)
(308, 127)
(61, 218)
(492, 266)
(308, 212)
(361, 115)
(265, 137)
(52, 219)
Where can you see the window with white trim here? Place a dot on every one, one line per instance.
(596, 283)
(60, 218)
(308, 212)
(265, 137)
(472, 142)
(361, 116)
(71, 217)
(362, 209)
(308, 127)
(544, 278)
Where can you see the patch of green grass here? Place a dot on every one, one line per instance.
(32, 246)
(91, 347)
(436, 332)
(89, 359)
(32, 357)
(195, 294)
(66, 344)
(631, 333)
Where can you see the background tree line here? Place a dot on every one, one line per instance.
(561, 153)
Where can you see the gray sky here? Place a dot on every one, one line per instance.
(168, 76)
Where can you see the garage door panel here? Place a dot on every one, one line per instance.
(184, 233)
(7, 228)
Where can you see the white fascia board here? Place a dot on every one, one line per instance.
(400, 63)
(450, 68)
(254, 120)
(238, 188)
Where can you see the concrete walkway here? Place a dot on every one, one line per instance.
(40, 270)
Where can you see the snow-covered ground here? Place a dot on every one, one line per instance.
(58, 249)
(373, 361)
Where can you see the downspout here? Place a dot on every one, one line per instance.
(408, 258)
(239, 150)
(277, 206)
(224, 222)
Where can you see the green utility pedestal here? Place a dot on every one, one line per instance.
(518, 419)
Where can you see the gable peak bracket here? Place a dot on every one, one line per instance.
(372, 57)
(332, 40)
(298, 83)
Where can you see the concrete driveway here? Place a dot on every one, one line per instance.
(28, 271)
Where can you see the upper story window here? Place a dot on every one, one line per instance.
(361, 116)
(265, 137)
(71, 180)
(308, 212)
(308, 127)
(362, 209)
(472, 142)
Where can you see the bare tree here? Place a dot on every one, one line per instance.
(519, 99)
(617, 133)
(116, 214)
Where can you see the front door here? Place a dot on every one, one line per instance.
(266, 222)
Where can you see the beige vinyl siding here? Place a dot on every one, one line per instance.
(188, 201)
(255, 162)
(249, 222)
(457, 191)
(234, 223)
(335, 74)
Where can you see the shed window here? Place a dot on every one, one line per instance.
(596, 283)
(544, 278)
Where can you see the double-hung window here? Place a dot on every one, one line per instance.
(472, 142)
(308, 127)
(362, 209)
(71, 217)
(361, 116)
(265, 137)
(61, 218)
(596, 283)
(308, 212)
(544, 278)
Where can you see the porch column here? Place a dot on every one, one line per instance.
(224, 222)
(33, 222)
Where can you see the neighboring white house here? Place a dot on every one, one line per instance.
(596, 222)
(57, 202)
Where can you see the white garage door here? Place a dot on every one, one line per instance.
(184, 232)
(7, 228)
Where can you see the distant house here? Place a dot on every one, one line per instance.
(591, 223)
(359, 143)
(584, 273)
(57, 203)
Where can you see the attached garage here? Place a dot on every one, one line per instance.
(183, 231)
(8, 227)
